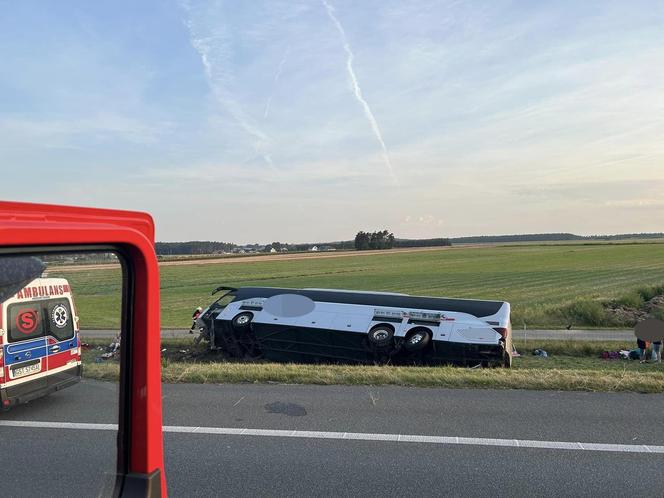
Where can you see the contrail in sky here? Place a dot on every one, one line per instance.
(215, 57)
(358, 91)
(277, 75)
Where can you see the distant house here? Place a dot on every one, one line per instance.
(252, 248)
(326, 248)
(284, 249)
(272, 249)
(314, 248)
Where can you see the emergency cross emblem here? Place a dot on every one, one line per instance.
(59, 316)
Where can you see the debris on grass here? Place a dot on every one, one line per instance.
(572, 367)
(112, 351)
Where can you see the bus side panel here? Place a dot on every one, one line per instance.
(449, 352)
(304, 344)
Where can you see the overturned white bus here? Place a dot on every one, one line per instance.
(325, 325)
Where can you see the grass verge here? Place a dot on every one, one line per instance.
(571, 367)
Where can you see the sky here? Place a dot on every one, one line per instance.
(306, 121)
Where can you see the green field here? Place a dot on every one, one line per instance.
(540, 281)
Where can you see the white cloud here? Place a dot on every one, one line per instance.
(18, 131)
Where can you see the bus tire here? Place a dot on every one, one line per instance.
(242, 321)
(417, 339)
(381, 336)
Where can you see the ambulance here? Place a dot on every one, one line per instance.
(40, 349)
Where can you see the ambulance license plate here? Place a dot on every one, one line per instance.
(23, 369)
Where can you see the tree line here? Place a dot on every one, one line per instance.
(374, 240)
(384, 239)
(193, 247)
(546, 237)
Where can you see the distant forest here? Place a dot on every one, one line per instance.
(550, 237)
(196, 247)
(193, 247)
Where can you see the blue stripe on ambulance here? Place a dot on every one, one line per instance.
(24, 351)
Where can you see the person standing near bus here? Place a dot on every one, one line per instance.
(197, 313)
(642, 346)
(657, 351)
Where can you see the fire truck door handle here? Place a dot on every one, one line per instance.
(55, 348)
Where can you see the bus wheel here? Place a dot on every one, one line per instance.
(417, 339)
(381, 336)
(242, 320)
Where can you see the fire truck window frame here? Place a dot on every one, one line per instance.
(123, 439)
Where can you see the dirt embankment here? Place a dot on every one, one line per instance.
(621, 313)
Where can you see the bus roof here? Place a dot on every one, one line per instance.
(478, 308)
(380, 293)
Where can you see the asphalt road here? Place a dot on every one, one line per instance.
(578, 335)
(71, 462)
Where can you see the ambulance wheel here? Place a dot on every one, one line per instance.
(381, 336)
(417, 339)
(242, 320)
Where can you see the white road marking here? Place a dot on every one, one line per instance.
(59, 425)
(357, 436)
